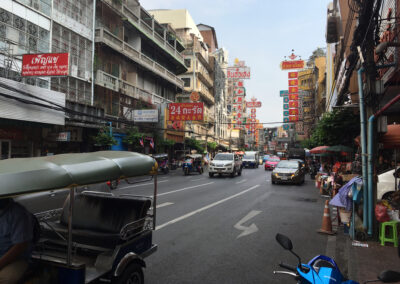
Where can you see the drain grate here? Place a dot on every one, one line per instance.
(306, 199)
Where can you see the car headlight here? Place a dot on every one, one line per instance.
(276, 174)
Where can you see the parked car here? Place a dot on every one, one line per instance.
(271, 163)
(288, 172)
(225, 163)
(386, 184)
(250, 159)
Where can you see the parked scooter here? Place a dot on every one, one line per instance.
(322, 269)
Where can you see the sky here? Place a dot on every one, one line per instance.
(261, 33)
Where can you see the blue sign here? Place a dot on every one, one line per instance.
(283, 93)
(285, 127)
(285, 113)
(286, 119)
(285, 106)
(286, 100)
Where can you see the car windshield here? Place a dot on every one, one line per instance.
(224, 157)
(288, 165)
(248, 157)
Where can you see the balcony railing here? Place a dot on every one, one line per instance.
(145, 28)
(103, 35)
(206, 78)
(113, 83)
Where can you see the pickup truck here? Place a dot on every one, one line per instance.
(225, 163)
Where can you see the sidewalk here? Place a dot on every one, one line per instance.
(364, 263)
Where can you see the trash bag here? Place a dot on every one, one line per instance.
(381, 213)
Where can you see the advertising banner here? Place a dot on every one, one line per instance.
(293, 75)
(295, 64)
(145, 115)
(293, 104)
(285, 127)
(293, 118)
(186, 111)
(293, 97)
(286, 106)
(253, 104)
(293, 90)
(286, 119)
(240, 91)
(238, 84)
(293, 82)
(283, 93)
(285, 113)
(45, 64)
(238, 73)
(293, 111)
(253, 110)
(286, 100)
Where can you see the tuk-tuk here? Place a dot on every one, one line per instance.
(96, 235)
(162, 161)
(193, 163)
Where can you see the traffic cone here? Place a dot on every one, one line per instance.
(326, 221)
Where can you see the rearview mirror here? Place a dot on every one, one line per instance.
(389, 276)
(284, 241)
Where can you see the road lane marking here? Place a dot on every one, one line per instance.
(142, 184)
(242, 181)
(182, 189)
(205, 208)
(196, 179)
(250, 229)
(164, 204)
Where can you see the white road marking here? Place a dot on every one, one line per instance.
(164, 204)
(205, 208)
(196, 179)
(182, 189)
(142, 184)
(250, 229)
(242, 181)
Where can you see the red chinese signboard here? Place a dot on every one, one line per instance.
(46, 64)
(293, 97)
(253, 104)
(238, 84)
(293, 104)
(293, 111)
(293, 90)
(292, 75)
(293, 118)
(238, 91)
(293, 82)
(186, 111)
(295, 64)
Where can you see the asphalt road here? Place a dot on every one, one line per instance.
(222, 229)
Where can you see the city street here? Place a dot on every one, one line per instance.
(222, 229)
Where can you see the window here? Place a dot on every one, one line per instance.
(186, 82)
(187, 63)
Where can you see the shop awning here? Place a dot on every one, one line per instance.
(391, 139)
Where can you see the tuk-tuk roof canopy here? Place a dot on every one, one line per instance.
(27, 175)
(159, 156)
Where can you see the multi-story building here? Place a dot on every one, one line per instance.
(199, 75)
(138, 61)
(219, 63)
(306, 103)
(320, 88)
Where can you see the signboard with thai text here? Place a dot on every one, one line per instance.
(295, 64)
(46, 64)
(145, 115)
(186, 111)
(238, 73)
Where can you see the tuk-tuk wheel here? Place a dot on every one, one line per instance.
(133, 274)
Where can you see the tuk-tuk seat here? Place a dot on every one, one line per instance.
(98, 219)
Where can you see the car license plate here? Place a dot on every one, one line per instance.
(284, 178)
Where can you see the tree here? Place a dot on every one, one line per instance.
(133, 137)
(104, 139)
(212, 145)
(194, 144)
(336, 128)
(319, 52)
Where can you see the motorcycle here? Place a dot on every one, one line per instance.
(322, 269)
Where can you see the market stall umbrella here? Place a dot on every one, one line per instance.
(339, 148)
(319, 150)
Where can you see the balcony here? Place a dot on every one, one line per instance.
(108, 81)
(104, 36)
(144, 28)
(206, 78)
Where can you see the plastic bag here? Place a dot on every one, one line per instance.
(381, 213)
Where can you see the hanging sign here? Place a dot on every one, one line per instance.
(253, 104)
(283, 93)
(293, 75)
(293, 118)
(45, 64)
(285, 113)
(238, 73)
(286, 106)
(295, 64)
(285, 127)
(186, 111)
(293, 97)
(293, 82)
(293, 104)
(239, 91)
(293, 111)
(286, 99)
(293, 90)
(286, 119)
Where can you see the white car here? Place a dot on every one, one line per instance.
(386, 184)
(225, 163)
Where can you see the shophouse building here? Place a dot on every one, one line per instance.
(199, 75)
